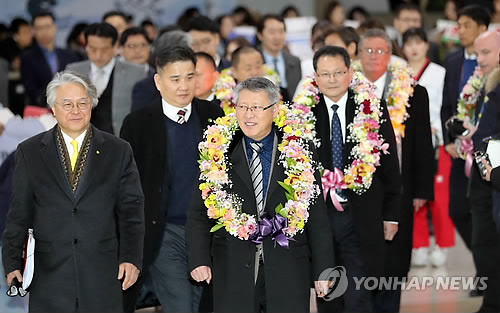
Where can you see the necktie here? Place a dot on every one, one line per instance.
(181, 116)
(256, 173)
(100, 81)
(337, 145)
(275, 64)
(74, 156)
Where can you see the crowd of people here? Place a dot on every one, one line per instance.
(190, 168)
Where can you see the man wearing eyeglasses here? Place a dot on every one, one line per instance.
(78, 188)
(114, 79)
(135, 48)
(415, 155)
(359, 229)
(264, 277)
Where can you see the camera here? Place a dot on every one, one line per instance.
(478, 156)
(456, 127)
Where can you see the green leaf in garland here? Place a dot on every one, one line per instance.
(287, 187)
(216, 228)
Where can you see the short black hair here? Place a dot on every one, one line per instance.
(131, 32)
(204, 24)
(207, 57)
(333, 52)
(347, 34)
(147, 22)
(16, 24)
(408, 7)
(115, 13)
(477, 13)
(265, 18)
(42, 14)
(235, 56)
(414, 33)
(289, 8)
(358, 9)
(174, 54)
(104, 30)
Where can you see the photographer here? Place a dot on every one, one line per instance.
(492, 175)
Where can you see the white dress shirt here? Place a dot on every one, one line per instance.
(107, 69)
(171, 111)
(380, 84)
(342, 103)
(68, 140)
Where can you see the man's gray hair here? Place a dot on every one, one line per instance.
(172, 38)
(70, 77)
(376, 33)
(256, 84)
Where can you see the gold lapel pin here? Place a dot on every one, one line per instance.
(97, 152)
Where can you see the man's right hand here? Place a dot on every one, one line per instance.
(202, 273)
(452, 150)
(14, 274)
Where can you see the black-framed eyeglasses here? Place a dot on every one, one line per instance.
(16, 289)
(82, 104)
(256, 108)
(376, 52)
(326, 75)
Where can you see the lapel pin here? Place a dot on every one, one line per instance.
(97, 152)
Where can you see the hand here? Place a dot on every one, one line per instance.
(418, 203)
(487, 177)
(202, 273)
(452, 150)
(471, 128)
(390, 230)
(130, 272)
(321, 287)
(14, 274)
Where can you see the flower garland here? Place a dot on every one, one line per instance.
(225, 84)
(398, 93)
(466, 105)
(226, 208)
(363, 130)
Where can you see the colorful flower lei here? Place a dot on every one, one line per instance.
(399, 92)
(226, 208)
(363, 130)
(466, 105)
(226, 83)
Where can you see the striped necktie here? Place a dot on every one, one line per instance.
(256, 173)
(181, 116)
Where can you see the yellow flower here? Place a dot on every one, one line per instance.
(287, 129)
(348, 179)
(300, 225)
(215, 139)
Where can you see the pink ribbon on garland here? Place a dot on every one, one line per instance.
(331, 181)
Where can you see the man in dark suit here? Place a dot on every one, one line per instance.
(472, 21)
(271, 33)
(369, 219)
(205, 35)
(78, 189)
(40, 63)
(416, 158)
(164, 137)
(262, 277)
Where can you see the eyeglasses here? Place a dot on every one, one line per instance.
(137, 45)
(326, 75)
(371, 51)
(245, 108)
(82, 104)
(16, 289)
(201, 43)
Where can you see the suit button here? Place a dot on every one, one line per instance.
(75, 241)
(75, 210)
(159, 189)
(248, 265)
(154, 222)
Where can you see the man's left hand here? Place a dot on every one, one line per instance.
(321, 287)
(130, 272)
(418, 203)
(390, 230)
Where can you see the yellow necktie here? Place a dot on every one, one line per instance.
(74, 156)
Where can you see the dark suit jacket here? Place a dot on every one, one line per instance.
(495, 178)
(223, 64)
(453, 65)
(418, 180)
(293, 72)
(81, 237)
(36, 73)
(144, 93)
(289, 273)
(145, 130)
(379, 203)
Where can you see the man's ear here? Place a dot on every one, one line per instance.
(157, 79)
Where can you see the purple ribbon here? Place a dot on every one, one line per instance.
(271, 227)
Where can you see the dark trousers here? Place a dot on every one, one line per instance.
(348, 254)
(485, 243)
(260, 291)
(459, 209)
(388, 301)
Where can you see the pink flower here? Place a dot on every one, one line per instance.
(220, 176)
(372, 136)
(242, 232)
(229, 215)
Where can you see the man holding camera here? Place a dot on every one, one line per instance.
(485, 241)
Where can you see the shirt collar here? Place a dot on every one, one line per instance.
(171, 111)
(341, 103)
(79, 139)
(211, 97)
(380, 84)
(217, 59)
(269, 58)
(266, 141)
(108, 68)
(469, 56)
